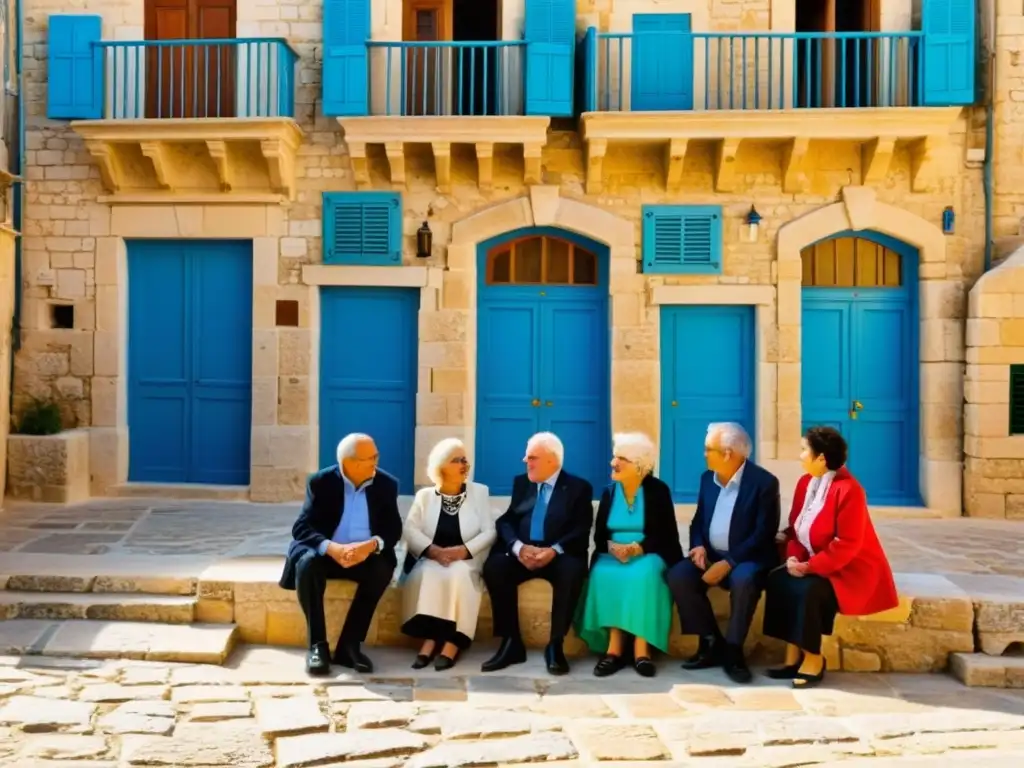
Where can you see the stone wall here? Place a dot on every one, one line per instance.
(70, 236)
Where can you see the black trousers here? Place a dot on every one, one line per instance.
(696, 617)
(311, 575)
(503, 573)
(799, 610)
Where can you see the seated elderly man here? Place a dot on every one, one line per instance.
(732, 545)
(347, 529)
(545, 534)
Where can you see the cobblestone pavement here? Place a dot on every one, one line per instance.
(261, 711)
(213, 530)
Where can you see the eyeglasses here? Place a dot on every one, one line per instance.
(460, 460)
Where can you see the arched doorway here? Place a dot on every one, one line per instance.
(861, 358)
(542, 352)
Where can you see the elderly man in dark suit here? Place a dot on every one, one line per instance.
(544, 534)
(732, 545)
(347, 529)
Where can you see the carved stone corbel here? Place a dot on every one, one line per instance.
(596, 150)
(485, 164)
(109, 163)
(532, 171)
(675, 156)
(875, 158)
(360, 168)
(395, 151)
(443, 164)
(219, 154)
(725, 164)
(926, 163)
(280, 159)
(156, 151)
(794, 165)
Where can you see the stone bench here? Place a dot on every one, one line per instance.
(934, 619)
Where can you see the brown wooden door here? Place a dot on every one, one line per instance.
(427, 87)
(190, 80)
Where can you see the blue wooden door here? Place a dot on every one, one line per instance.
(662, 63)
(189, 361)
(859, 372)
(372, 392)
(542, 357)
(707, 375)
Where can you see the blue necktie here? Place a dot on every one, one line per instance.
(540, 511)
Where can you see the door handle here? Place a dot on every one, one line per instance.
(535, 402)
(549, 403)
(674, 403)
(858, 405)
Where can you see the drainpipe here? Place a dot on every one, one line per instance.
(18, 161)
(990, 136)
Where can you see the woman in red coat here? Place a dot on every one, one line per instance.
(834, 561)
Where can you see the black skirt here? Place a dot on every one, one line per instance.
(799, 610)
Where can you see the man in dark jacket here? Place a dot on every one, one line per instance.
(347, 529)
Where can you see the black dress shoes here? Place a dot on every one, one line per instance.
(511, 651)
(735, 665)
(554, 658)
(350, 656)
(709, 654)
(318, 660)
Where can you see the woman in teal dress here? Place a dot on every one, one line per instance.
(635, 539)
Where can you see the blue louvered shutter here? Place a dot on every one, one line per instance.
(950, 52)
(683, 239)
(550, 34)
(346, 68)
(363, 228)
(75, 64)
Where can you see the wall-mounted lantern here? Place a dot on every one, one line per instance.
(424, 241)
(753, 223)
(948, 221)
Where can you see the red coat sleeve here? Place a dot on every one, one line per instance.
(793, 547)
(851, 521)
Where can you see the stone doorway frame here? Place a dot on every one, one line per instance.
(940, 312)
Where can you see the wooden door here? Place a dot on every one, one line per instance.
(190, 80)
(427, 88)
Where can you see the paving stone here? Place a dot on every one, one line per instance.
(188, 694)
(700, 696)
(761, 699)
(650, 706)
(140, 675)
(38, 715)
(381, 714)
(113, 693)
(288, 717)
(534, 747)
(804, 730)
(322, 748)
(203, 674)
(215, 711)
(619, 742)
(716, 733)
(466, 723)
(350, 693)
(791, 756)
(577, 705)
(440, 690)
(61, 692)
(940, 743)
(63, 746)
(886, 726)
(206, 643)
(280, 691)
(140, 717)
(203, 744)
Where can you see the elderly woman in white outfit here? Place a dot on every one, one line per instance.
(449, 531)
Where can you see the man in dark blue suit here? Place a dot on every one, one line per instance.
(732, 545)
(545, 534)
(347, 529)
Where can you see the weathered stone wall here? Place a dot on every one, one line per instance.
(74, 249)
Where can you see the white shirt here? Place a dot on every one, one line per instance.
(550, 483)
(721, 518)
(814, 502)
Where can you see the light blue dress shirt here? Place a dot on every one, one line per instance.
(721, 519)
(355, 519)
(550, 483)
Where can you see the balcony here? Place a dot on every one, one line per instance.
(443, 95)
(688, 90)
(207, 120)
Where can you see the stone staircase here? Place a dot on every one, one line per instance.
(110, 617)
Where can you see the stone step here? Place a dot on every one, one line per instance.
(125, 583)
(979, 670)
(141, 641)
(108, 606)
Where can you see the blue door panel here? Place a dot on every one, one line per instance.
(707, 375)
(662, 64)
(374, 395)
(189, 361)
(826, 383)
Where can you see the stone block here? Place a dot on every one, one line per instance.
(49, 468)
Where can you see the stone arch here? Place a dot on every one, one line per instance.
(941, 433)
(543, 206)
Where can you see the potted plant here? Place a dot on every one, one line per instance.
(45, 462)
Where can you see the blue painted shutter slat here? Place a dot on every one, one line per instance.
(550, 33)
(662, 78)
(363, 228)
(346, 70)
(682, 238)
(75, 68)
(950, 46)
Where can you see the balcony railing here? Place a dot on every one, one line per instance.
(675, 71)
(212, 78)
(446, 78)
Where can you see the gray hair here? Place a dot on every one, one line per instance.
(732, 437)
(439, 456)
(347, 446)
(549, 441)
(637, 448)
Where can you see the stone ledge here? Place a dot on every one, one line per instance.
(49, 468)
